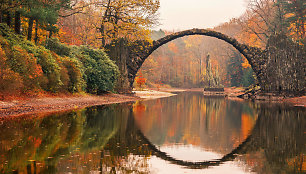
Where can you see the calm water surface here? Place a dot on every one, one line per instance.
(187, 133)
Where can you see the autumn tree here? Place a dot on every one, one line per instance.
(140, 80)
(127, 18)
(106, 20)
(78, 25)
(269, 17)
(295, 14)
(196, 45)
(27, 12)
(7, 10)
(45, 13)
(260, 21)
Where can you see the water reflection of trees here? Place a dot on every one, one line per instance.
(212, 123)
(107, 139)
(275, 145)
(279, 140)
(46, 140)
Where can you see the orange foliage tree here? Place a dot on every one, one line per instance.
(10, 81)
(140, 80)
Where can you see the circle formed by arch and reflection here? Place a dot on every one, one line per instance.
(241, 149)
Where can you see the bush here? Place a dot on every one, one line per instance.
(64, 77)
(100, 72)
(57, 47)
(71, 74)
(25, 64)
(55, 67)
(88, 68)
(74, 67)
(51, 69)
(10, 81)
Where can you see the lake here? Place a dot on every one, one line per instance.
(186, 133)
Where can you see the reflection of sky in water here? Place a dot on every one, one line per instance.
(159, 166)
(215, 124)
(190, 153)
(194, 128)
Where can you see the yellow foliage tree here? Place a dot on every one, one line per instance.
(127, 18)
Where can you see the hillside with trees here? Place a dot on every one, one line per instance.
(57, 46)
(27, 68)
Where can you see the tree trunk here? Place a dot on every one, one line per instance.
(36, 31)
(9, 19)
(200, 76)
(50, 34)
(30, 28)
(1, 18)
(102, 34)
(104, 19)
(17, 22)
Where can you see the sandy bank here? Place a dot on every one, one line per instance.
(45, 105)
(56, 104)
(152, 94)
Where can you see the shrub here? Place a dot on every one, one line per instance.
(71, 73)
(51, 69)
(55, 67)
(10, 81)
(76, 81)
(54, 45)
(100, 72)
(25, 64)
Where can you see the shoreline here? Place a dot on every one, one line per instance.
(47, 105)
(154, 94)
(60, 103)
(233, 93)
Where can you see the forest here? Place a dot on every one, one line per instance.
(184, 62)
(58, 46)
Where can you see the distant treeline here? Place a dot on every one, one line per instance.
(183, 62)
(52, 67)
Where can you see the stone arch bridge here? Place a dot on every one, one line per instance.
(278, 68)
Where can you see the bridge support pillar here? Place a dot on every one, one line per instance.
(283, 70)
(119, 52)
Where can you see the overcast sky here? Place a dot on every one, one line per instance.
(187, 14)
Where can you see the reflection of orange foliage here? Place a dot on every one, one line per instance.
(36, 141)
(139, 108)
(298, 163)
(172, 130)
(190, 139)
(246, 125)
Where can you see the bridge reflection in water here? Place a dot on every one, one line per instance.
(113, 139)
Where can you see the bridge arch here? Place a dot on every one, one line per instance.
(239, 150)
(138, 58)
